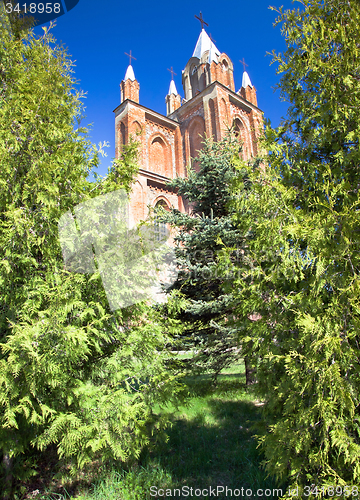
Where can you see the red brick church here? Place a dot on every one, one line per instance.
(169, 143)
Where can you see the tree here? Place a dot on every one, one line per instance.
(72, 372)
(302, 213)
(199, 236)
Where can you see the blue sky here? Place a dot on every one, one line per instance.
(162, 34)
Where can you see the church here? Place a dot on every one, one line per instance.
(169, 143)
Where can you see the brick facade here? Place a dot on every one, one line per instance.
(169, 143)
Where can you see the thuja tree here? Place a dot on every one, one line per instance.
(199, 236)
(303, 283)
(72, 372)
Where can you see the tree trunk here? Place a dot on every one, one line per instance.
(250, 370)
(8, 476)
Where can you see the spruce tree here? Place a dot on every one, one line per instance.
(72, 371)
(199, 235)
(302, 283)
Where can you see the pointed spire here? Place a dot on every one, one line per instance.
(130, 75)
(246, 82)
(172, 88)
(203, 44)
(130, 86)
(172, 99)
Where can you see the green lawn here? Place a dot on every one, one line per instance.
(210, 444)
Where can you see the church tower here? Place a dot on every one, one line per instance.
(169, 143)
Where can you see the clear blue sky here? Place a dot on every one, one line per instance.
(162, 34)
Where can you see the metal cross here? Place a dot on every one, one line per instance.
(202, 21)
(243, 63)
(130, 56)
(172, 72)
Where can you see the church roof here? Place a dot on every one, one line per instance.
(203, 44)
(172, 88)
(246, 82)
(130, 75)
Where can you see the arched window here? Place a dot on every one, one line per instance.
(238, 128)
(161, 231)
(195, 80)
(122, 133)
(240, 133)
(202, 82)
(225, 76)
(212, 118)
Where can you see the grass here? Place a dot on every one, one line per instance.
(210, 443)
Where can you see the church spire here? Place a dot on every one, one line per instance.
(247, 90)
(203, 44)
(130, 75)
(130, 86)
(173, 99)
(206, 65)
(172, 88)
(246, 82)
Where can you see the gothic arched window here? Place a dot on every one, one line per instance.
(161, 231)
(238, 128)
(240, 133)
(212, 118)
(122, 133)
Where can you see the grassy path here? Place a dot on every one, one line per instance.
(210, 444)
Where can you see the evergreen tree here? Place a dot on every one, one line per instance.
(302, 283)
(72, 372)
(199, 237)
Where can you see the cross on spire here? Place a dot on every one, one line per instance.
(202, 21)
(211, 38)
(130, 56)
(243, 63)
(172, 72)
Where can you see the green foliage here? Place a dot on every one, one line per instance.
(218, 423)
(302, 277)
(132, 485)
(199, 236)
(71, 371)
